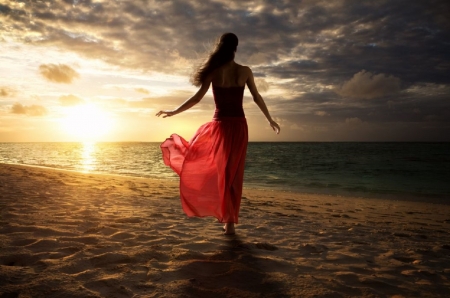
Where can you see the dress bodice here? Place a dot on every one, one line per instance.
(228, 101)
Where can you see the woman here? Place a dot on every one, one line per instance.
(211, 165)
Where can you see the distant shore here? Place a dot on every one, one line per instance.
(65, 233)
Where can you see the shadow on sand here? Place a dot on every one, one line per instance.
(234, 271)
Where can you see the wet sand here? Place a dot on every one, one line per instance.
(69, 234)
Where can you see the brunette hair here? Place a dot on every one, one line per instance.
(222, 53)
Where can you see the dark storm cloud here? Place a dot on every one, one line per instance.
(315, 51)
(381, 37)
(339, 37)
(58, 73)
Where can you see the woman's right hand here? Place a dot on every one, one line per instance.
(166, 113)
(275, 126)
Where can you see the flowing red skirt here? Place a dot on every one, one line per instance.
(211, 168)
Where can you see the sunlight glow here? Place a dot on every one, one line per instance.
(87, 123)
(88, 157)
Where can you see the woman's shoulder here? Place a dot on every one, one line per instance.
(243, 69)
(242, 66)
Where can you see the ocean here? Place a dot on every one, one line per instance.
(400, 171)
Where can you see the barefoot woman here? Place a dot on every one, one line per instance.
(211, 164)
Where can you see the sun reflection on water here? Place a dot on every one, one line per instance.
(88, 158)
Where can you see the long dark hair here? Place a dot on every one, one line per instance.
(222, 53)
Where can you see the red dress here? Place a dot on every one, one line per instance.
(211, 164)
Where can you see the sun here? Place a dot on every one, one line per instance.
(87, 122)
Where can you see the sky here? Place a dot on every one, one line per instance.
(338, 70)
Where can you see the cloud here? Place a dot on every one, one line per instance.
(321, 113)
(295, 126)
(261, 84)
(70, 100)
(33, 110)
(327, 40)
(428, 90)
(365, 85)
(58, 73)
(304, 49)
(353, 121)
(6, 91)
(142, 90)
(431, 118)
(169, 101)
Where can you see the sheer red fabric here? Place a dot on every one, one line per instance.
(211, 165)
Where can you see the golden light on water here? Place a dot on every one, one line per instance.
(87, 123)
(88, 157)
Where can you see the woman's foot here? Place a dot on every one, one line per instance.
(228, 229)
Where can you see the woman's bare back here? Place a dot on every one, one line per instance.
(230, 75)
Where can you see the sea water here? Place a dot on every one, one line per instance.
(416, 171)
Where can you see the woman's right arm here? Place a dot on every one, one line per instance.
(257, 98)
(190, 102)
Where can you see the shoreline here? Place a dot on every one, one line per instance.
(407, 197)
(65, 233)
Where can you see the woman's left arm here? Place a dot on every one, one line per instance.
(195, 99)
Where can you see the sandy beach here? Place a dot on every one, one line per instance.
(69, 234)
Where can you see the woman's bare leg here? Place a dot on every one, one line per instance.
(229, 228)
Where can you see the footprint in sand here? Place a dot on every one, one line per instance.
(108, 259)
(24, 260)
(404, 259)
